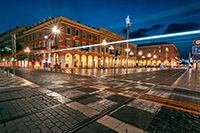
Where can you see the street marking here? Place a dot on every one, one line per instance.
(118, 125)
(159, 99)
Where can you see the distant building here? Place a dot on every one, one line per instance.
(156, 54)
(6, 37)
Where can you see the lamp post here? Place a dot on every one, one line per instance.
(104, 43)
(111, 48)
(128, 24)
(27, 50)
(56, 31)
(166, 50)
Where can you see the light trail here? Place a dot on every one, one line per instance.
(134, 40)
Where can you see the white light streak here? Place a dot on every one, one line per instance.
(131, 40)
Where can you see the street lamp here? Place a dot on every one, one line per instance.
(56, 31)
(128, 24)
(27, 50)
(149, 55)
(140, 53)
(104, 44)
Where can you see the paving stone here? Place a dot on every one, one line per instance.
(139, 118)
(95, 128)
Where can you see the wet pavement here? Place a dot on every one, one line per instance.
(142, 100)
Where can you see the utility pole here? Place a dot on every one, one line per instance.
(189, 60)
(13, 52)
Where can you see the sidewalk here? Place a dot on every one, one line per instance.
(190, 81)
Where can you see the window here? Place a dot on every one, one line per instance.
(84, 35)
(95, 38)
(96, 48)
(106, 50)
(149, 51)
(102, 49)
(68, 30)
(159, 51)
(32, 37)
(44, 32)
(90, 48)
(159, 47)
(77, 32)
(40, 45)
(49, 43)
(39, 34)
(159, 56)
(121, 45)
(83, 45)
(77, 44)
(35, 45)
(90, 36)
(154, 51)
(49, 32)
(69, 42)
(44, 44)
(35, 37)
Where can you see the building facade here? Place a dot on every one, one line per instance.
(157, 54)
(48, 48)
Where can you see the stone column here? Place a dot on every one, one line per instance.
(80, 63)
(86, 66)
(72, 62)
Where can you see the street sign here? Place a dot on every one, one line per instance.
(196, 49)
(197, 42)
(196, 57)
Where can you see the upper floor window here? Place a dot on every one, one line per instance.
(95, 38)
(77, 44)
(69, 42)
(102, 49)
(90, 36)
(40, 45)
(84, 46)
(77, 32)
(35, 37)
(96, 48)
(68, 30)
(90, 48)
(32, 37)
(39, 34)
(44, 44)
(84, 35)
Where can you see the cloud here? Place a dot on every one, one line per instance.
(189, 26)
(142, 32)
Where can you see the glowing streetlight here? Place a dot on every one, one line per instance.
(140, 53)
(149, 55)
(104, 43)
(111, 47)
(131, 53)
(56, 31)
(27, 50)
(154, 56)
